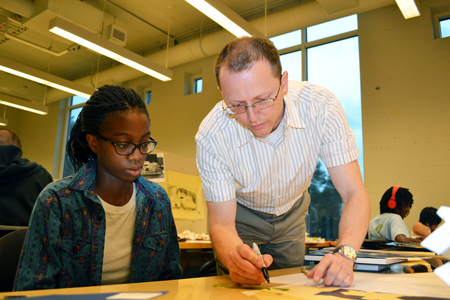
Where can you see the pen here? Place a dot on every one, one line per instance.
(264, 268)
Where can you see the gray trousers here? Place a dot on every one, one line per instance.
(283, 237)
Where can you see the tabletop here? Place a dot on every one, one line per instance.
(221, 287)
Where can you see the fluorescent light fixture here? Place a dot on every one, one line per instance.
(225, 17)
(95, 43)
(408, 8)
(38, 76)
(3, 121)
(22, 104)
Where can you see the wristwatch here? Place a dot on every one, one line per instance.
(347, 252)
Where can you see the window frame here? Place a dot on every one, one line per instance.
(194, 79)
(146, 91)
(303, 48)
(437, 18)
(67, 110)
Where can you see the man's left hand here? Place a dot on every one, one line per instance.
(335, 270)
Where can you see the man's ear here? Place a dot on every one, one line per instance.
(284, 83)
(92, 142)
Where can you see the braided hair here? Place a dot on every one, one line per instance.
(403, 197)
(107, 100)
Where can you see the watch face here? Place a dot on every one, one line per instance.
(349, 252)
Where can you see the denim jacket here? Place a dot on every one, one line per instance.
(66, 236)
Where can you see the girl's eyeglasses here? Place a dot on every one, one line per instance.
(127, 148)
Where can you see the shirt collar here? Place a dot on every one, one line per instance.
(84, 180)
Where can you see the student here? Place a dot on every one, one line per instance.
(106, 224)
(394, 207)
(21, 181)
(428, 222)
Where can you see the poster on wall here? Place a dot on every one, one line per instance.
(153, 168)
(186, 196)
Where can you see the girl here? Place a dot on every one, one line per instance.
(428, 222)
(395, 205)
(106, 224)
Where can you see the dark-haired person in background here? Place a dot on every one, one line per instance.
(21, 181)
(395, 205)
(428, 222)
(106, 224)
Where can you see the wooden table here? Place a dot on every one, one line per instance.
(195, 245)
(203, 288)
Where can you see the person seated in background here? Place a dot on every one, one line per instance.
(395, 205)
(21, 181)
(106, 224)
(428, 222)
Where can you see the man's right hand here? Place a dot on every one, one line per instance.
(245, 266)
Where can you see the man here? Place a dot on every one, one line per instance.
(21, 181)
(256, 154)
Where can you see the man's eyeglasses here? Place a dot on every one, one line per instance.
(257, 105)
(127, 148)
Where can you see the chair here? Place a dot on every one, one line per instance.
(5, 229)
(202, 270)
(10, 248)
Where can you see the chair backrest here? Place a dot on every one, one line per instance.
(10, 248)
(5, 229)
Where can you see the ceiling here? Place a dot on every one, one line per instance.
(150, 25)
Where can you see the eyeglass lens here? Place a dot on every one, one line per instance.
(128, 148)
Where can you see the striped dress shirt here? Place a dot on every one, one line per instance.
(269, 174)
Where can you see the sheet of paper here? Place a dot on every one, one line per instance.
(135, 296)
(416, 284)
(439, 242)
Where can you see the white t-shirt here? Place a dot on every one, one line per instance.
(120, 224)
(415, 236)
(387, 226)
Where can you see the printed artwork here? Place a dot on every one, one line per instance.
(186, 196)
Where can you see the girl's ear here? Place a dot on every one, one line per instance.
(92, 142)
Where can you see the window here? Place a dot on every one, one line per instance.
(331, 28)
(76, 103)
(193, 82)
(197, 85)
(148, 96)
(441, 23)
(330, 58)
(444, 26)
(287, 40)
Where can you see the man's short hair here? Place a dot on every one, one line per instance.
(9, 137)
(242, 53)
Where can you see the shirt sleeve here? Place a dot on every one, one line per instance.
(338, 141)
(397, 226)
(217, 180)
(39, 264)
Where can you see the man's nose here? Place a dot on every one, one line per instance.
(252, 114)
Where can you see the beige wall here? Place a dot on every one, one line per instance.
(36, 132)
(405, 76)
(405, 103)
(175, 117)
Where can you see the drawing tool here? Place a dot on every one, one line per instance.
(264, 268)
